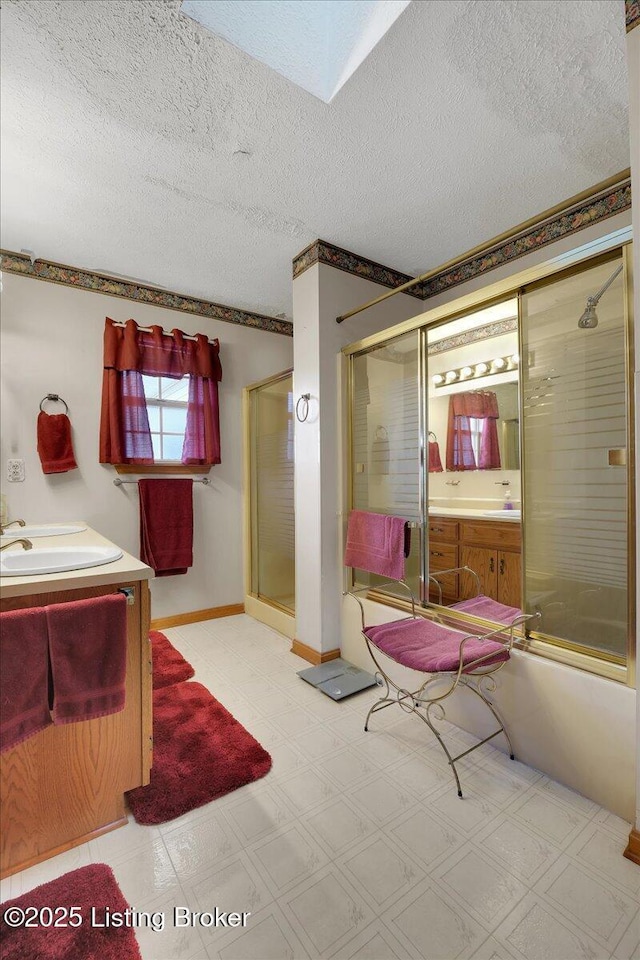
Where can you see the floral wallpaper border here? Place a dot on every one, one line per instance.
(612, 201)
(85, 280)
(632, 13)
(322, 252)
(485, 332)
(608, 203)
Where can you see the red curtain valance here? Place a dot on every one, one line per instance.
(477, 404)
(159, 354)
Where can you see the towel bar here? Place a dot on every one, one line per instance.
(119, 481)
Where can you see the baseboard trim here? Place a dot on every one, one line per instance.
(633, 848)
(313, 656)
(195, 616)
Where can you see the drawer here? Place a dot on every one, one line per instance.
(488, 533)
(442, 556)
(441, 528)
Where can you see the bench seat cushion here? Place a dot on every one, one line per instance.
(430, 647)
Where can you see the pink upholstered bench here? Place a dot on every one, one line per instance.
(430, 647)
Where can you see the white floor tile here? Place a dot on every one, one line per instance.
(380, 871)
(483, 889)
(589, 903)
(430, 925)
(508, 841)
(536, 932)
(596, 847)
(288, 858)
(191, 848)
(326, 911)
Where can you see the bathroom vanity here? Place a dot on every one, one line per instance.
(491, 547)
(66, 784)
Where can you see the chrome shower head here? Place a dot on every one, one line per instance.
(589, 318)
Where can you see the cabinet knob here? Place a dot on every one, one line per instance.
(502, 565)
(436, 553)
(492, 565)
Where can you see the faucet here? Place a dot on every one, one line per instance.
(25, 543)
(10, 523)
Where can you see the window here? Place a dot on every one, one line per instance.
(166, 401)
(159, 398)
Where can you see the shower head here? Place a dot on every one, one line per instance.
(589, 318)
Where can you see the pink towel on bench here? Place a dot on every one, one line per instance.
(24, 679)
(377, 543)
(88, 653)
(430, 647)
(489, 609)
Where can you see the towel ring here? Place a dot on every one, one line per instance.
(54, 399)
(304, 400)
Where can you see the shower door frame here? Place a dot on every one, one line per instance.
(261, 608)
(574, 262)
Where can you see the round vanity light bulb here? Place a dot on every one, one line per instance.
(499, 363)
(515, 359)
(466, 372)
(481, 368)
(437, 379)
(451, 375)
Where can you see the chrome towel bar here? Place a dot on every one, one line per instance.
(118, 481)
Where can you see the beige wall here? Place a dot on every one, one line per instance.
(52, 343)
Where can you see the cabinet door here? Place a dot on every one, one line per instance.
(510, 579)
(484, 562)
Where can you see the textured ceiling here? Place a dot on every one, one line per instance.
(135, 141)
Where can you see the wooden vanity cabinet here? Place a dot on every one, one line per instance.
(490, 547)
(66, 784)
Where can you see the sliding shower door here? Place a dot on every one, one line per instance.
(386, 430)
(271, 508)
(576, 479)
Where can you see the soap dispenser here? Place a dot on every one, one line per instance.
(507, 505)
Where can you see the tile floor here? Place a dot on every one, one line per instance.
(356, 845)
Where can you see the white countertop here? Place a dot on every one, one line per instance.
(475, 514)
(117, 571)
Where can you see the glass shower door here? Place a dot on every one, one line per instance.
(576, 483)
(271, 492)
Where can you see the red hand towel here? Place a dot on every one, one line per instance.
(54, 443)
(88, 651)
(435, 463)
(166, 525)
(24, 678)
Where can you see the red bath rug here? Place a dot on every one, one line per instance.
(200, 752)
(76, 917)
(169, 666)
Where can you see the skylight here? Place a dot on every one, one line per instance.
(318, 44)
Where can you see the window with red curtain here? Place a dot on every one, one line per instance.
(464, 408)
(130, 354)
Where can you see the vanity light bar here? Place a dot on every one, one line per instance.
(477, 370)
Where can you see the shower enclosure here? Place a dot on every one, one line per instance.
(269, 466)
(566, 437)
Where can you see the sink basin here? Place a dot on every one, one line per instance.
(503, 514)
(42, 530)
(17, 562)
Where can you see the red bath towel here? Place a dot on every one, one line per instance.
(24, 696)
(166, 525)
(88, 652)
(377, 543)
(54, 443)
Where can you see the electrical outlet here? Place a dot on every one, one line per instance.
(15, 471)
